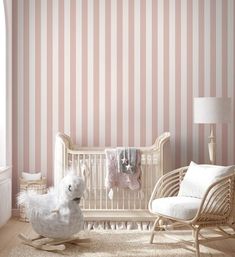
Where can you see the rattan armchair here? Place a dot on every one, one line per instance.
(214, 210)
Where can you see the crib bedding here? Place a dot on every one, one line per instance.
(119, 177)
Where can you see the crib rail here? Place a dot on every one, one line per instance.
(91, 164)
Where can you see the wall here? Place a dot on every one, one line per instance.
(111, 72)
(3, 88)
(9, 20)
(6, 83)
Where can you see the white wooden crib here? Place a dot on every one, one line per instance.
(128, 209)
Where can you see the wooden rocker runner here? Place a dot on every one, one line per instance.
(51, 244)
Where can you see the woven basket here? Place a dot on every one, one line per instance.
(39, 186)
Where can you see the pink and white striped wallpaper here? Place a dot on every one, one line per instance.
(119, 72)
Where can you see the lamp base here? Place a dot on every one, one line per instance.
(212, 145)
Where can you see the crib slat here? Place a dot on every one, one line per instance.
(152, 169)
(123, 199)
(142, 181)
(94, 186)
(106, 191)
(101, 181)
(90, 180)
(134, 200)
(73, 164)
(146, 176)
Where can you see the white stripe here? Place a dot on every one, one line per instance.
(79, 71)
(160, 66)
(67, 67)
(114, 72)
(207, 71)
(230, 41)
(90, 63)
(55, 71)
(172, 75)
(32, 85)
(21, 85)
(183, 82)
(149, 139)
(102, 72)
(43, 87)
(137, 72)
(125, 84)
(195, 74)
(218, 74)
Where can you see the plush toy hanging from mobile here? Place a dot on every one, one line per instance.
(55, 215)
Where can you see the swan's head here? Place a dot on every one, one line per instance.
(72, 187)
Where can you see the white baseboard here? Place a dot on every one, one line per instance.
(15, 212)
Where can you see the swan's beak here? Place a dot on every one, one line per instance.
(77, 200)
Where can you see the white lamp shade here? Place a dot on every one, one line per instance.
(211, 110)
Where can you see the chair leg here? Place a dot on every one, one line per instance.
(153, 230)
(196, 234)
(193, 233)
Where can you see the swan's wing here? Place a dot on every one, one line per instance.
(35, 202)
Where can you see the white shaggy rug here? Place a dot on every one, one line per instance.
(127, 243)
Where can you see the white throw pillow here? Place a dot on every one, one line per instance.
(198, 178)
(31, 176)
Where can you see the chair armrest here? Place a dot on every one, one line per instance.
(168, 185)
(217, 202)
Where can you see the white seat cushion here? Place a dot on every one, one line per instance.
(184, 208)
(199, 178)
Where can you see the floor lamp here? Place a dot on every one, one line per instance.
(212, 110)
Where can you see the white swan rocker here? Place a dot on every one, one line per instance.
(55, 216)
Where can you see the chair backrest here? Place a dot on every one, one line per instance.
(199, 178)
(218, 201)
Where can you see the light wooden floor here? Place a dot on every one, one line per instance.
(9, 232)
(8, 235)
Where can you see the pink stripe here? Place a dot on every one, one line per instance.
(26, 85)
(84, 73)
(119, 73)
(143, 72)
(37, 85)
(96, 73)
(189, 81)
(49, 94)
(166, 65)
(61, 66)
(14, 100)
(154, 70)
(201, 75)
(213, 48)
(108, 73)
(177, 83)
(224, 78)
(73, 70)
(131, 73)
